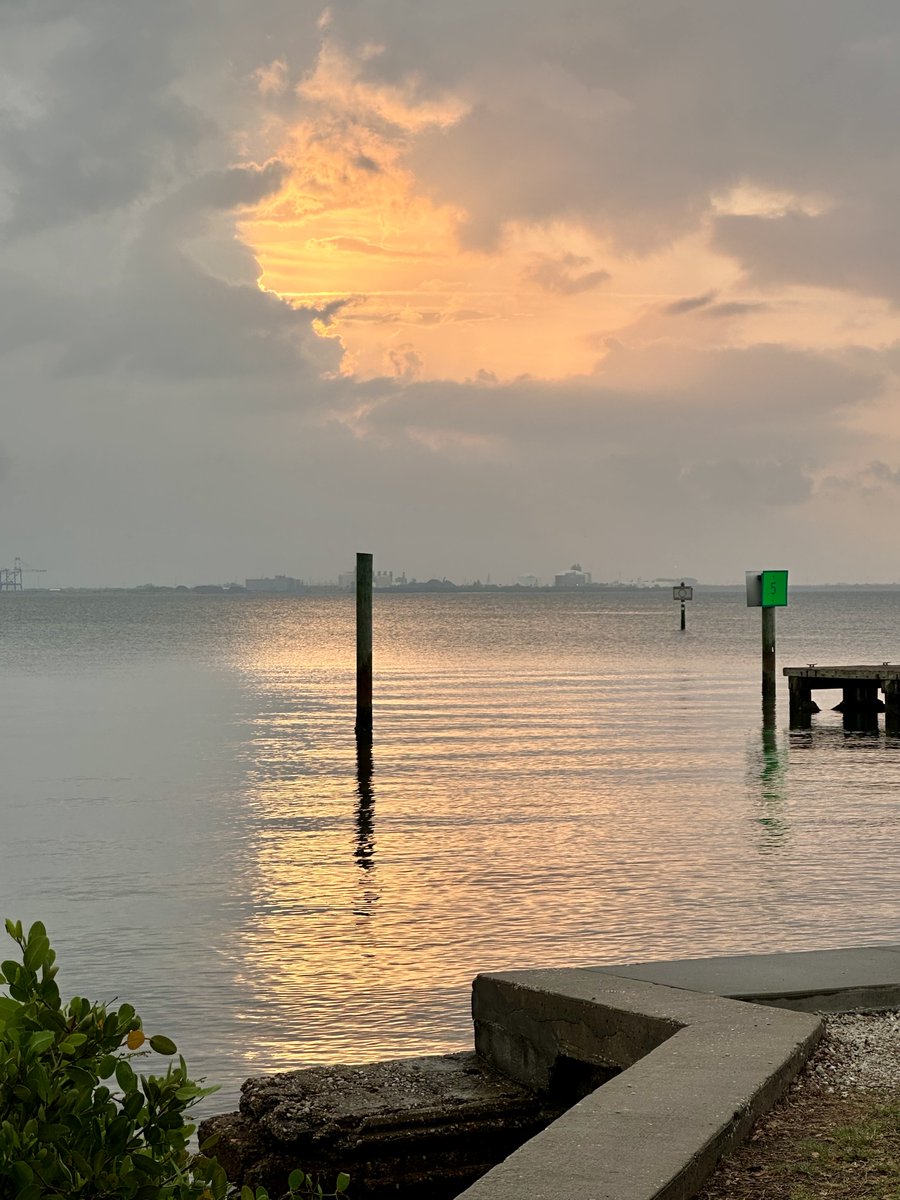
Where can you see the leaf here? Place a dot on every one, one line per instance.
(52, 1133)
(162, 1044)
(50, 991)
(343, 1182)
(296, 1180)
(135, 1039)
(39, 1042)
(125, 1076)
(36, 951)
(70, 1044)
(106, 1066)
(22, 1173)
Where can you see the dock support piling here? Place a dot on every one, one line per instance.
(801, 702)
(768, 655)
(364, 647)
(892, 706)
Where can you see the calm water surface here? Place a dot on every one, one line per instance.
(556, 780)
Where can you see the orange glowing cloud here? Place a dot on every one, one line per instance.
(354, 223)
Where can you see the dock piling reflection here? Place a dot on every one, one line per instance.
(364, 851)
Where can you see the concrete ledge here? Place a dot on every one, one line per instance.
(862, 977)
(697, 1070)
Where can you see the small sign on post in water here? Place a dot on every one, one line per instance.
(682, 593)
(767, 590)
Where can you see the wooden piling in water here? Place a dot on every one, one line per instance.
(364, 646)
(768, 655)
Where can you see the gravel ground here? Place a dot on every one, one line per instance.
(860, 1051)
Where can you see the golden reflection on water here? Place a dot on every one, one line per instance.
(560, 810)
(554, 780)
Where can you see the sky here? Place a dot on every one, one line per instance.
(485, 288)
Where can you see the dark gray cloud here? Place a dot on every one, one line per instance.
(762, 401)
(634, 117)
(845, 248)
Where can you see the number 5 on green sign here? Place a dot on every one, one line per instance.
(774, 589)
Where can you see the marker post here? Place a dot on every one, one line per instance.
(767, 590)
(682, 593)
(364, 647)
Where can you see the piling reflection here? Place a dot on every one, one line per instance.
(364, 851)
(846, 737)
(768, 770)
(860, 721)
(364, 847)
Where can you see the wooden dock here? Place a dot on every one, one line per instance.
(860, 686)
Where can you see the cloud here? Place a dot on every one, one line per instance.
(565, 275)
(706, 306)
(106, 123)
(736, 308)
(166, 316)
(696, 407)
(689, 303)
(162, 416)
(843, 248)
(633, 119)
(871, 482)
(357, 245)
(741, 484)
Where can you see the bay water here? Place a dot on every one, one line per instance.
(556, 779)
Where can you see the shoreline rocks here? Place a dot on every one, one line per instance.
(403, 1128)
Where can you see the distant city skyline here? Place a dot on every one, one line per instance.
(384, 578)
(478, 287)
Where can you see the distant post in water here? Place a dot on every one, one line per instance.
(767, 590)
(364, 646)
(682, 593)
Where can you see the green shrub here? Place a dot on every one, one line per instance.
(76, 1120)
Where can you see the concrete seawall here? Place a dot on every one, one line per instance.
(687, 1055)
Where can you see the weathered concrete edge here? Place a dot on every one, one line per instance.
(697, 1070)
(841, 1000)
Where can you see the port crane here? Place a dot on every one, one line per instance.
(11, 578)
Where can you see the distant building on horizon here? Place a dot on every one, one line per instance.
(380, 579)
(573, 578)
(528, 581)
(282, 585)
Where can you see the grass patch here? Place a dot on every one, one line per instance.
(814, 1146)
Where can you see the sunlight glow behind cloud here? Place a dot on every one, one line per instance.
(486, 288)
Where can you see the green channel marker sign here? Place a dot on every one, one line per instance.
(774, 589)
